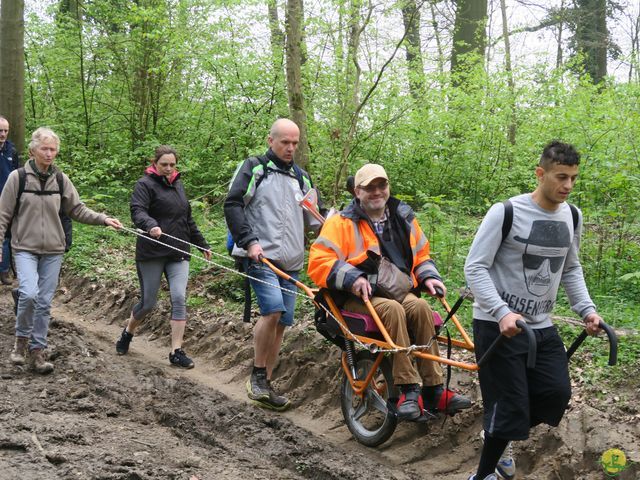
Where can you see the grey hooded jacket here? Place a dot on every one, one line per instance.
(262, 206)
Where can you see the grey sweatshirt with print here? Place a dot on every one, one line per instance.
(523, 273)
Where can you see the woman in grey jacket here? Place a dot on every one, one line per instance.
(39, 245)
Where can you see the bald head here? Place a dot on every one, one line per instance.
(283, 139)
(283, 125)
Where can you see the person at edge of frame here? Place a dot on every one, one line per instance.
(517, 278)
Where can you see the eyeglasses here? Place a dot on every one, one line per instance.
(373, 187)
(535, 261)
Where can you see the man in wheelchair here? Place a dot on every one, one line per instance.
(346, 257)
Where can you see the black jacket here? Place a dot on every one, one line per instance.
(156, 203)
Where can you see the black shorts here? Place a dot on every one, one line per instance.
(516, 398)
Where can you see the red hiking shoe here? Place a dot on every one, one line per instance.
(437, 398)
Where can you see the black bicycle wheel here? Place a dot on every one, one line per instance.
(368, 417)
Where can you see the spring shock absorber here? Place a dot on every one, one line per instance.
(350, 353)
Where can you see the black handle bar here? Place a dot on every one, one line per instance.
(613, 343)
(439, 292)
(531, 337)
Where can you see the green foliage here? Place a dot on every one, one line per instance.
(199, 74)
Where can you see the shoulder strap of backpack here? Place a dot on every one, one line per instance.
(507, 222)
(574, 215)
(265, 161)
(262, 160)
(22, 180)
(298, 171)
(60, 180)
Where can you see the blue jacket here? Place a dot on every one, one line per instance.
(9, 162)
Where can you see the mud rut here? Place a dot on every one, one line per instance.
(100, 416)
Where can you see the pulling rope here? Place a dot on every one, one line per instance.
(371, 347)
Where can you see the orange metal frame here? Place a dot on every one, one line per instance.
(360, 386)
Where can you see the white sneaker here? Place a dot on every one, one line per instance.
(491, 476)
(506, 467)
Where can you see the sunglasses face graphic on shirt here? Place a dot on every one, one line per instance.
(534, 262)
(546, 249)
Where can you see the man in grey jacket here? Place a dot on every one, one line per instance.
(514, 274)
(265, 220)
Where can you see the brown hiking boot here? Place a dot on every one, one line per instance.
(38, 362)
(4, 278)
(19, 353)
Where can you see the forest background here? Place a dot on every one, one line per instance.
(455, 98)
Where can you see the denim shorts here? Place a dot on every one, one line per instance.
(270, 298)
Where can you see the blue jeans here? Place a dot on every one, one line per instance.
(37, 282)
(270, 298)
(5, 265)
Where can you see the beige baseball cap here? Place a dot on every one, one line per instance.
(368, 173)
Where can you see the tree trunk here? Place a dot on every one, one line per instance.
(294, 27)
(352, 92)
(561, 20)
(277, 41)
(511, 135)
(353, 104)
(277, 36)
(12, 68)
(436, 34)
(413, 47)
(469, 39)
(72, 9)
(592, 37)
(635, 48)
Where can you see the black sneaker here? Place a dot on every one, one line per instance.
(180, 359)
(257, 387)
(122, 345)
(275, 402)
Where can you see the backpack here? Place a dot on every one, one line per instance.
(64, 219)
(265, 162)
(246, 316)
(507, 222)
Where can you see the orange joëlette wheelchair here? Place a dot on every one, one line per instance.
(368, 397)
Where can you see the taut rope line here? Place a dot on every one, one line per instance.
(141, 233)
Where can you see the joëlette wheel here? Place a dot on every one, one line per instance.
(368, 418)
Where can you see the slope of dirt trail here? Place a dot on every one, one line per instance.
(134, 417)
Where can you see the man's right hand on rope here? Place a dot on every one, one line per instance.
(155, 232)
(361, 288)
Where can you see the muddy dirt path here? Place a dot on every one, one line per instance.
(101, 416)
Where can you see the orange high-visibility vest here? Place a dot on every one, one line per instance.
(343, 243)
